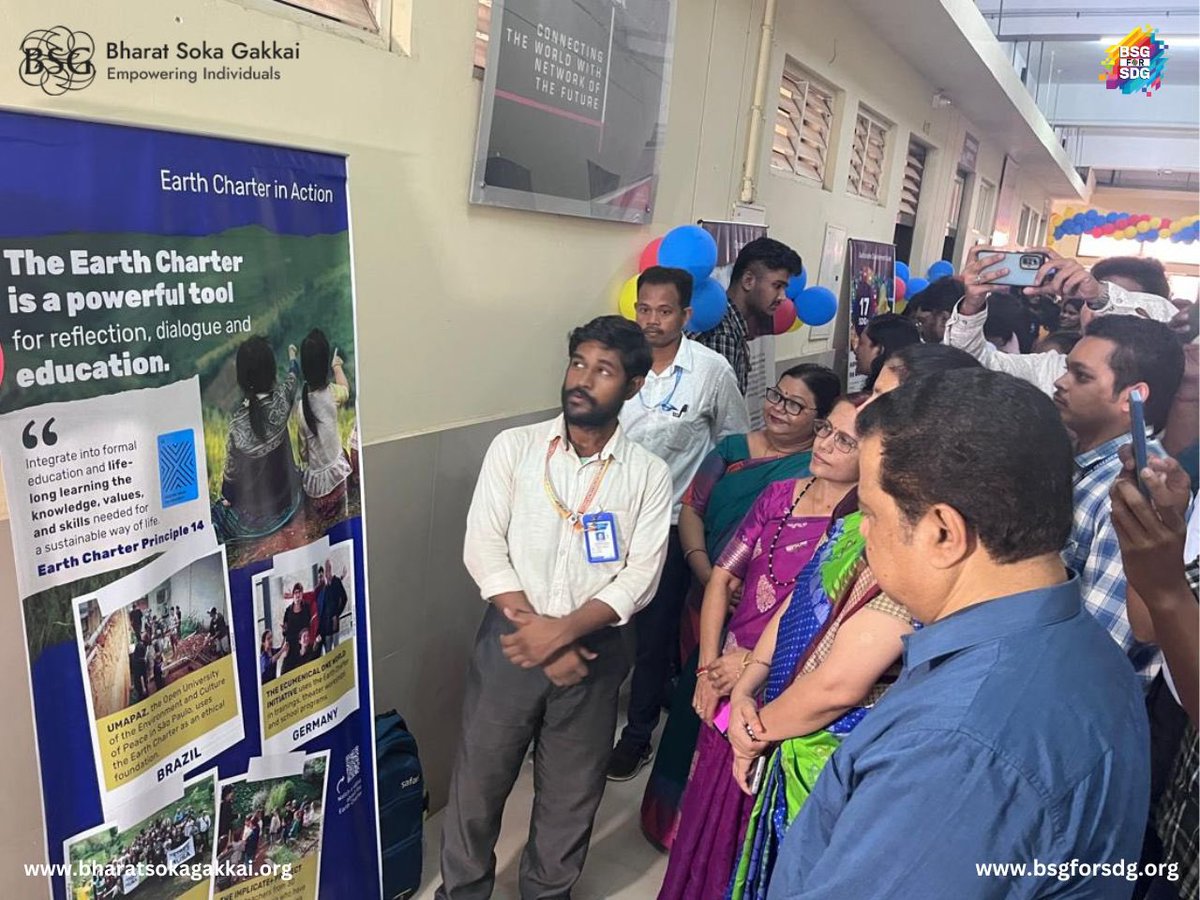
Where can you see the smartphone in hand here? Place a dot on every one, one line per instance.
(756, 774)
(1022, 265)
(1137, 435)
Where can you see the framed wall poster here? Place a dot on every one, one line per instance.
(872, 273)
(574, 107)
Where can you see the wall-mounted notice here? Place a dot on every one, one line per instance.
(179, 440)
(574, 107)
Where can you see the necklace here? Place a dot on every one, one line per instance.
(573, 518)
(775, 539)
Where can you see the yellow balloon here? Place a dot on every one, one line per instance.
(1068, 212)
(1056, 220)
(796, 326)
(1155, 223)
(1130, 232)
(627, 300)
(1143, 227)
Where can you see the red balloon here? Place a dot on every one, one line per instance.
(649, 255)
(785, 316)
(1122, 224)
(899, 288)
(1110, 228)
(1166, 223)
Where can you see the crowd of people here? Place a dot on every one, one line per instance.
(152, 847)
(244, 845)
(942, 623)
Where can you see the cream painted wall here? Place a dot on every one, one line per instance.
(447, 290)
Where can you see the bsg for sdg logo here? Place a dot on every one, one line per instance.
(58, 60)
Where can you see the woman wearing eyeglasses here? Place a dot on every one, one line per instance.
(722, 492)
(774, 543)
(825, 659)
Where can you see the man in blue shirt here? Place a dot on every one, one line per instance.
(1016, 733)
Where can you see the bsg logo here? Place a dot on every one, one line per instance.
(58, 60)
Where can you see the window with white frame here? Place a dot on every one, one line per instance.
(868, 155)
(803, 125)
(1023, 225)
(956, 198)
(364, 14)
(910, 191)
(985, 209)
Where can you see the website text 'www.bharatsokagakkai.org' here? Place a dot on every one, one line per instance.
(1130, 870)
(141, 871)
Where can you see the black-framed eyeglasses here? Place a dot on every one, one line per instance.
(790, 406)
(841, 440)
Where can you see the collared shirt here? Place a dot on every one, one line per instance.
(681, 413)
(1043, 369)
(1016, 732)
(518, 540)
(1093, 551)
(731, 338)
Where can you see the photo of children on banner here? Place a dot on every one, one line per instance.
(182, 625)
(263, 824)
(310, 614)
(284, 473)
(179, 835)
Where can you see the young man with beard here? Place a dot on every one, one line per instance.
(688, 403)
(757, 285)
(566, 536)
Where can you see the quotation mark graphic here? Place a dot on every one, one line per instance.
(29, 439)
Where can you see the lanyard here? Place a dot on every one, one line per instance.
(665, 405)
(574, 518)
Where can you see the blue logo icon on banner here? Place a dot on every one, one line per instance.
(177, 467)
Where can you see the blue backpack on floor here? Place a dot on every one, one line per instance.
(402, 805)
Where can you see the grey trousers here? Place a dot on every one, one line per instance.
(505, 708)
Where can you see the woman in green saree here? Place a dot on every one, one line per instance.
(722, 493)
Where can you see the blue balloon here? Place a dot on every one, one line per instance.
(689, 247)
(796, 285)
(1152, 235)
(709, 304)
(1112, 217)
(816, 305)
(915, 286)
(940, 269)
(902, 272)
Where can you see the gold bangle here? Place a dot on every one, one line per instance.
(754, 661)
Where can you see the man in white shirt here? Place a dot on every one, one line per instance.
(566, 537)
(690, 400)
(1117, 295)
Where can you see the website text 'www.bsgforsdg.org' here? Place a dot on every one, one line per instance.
(1130, 870)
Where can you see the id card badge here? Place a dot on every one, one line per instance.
(600, 537)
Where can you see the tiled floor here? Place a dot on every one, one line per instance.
(621, 865)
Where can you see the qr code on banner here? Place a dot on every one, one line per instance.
(353, 765)
(177, 478)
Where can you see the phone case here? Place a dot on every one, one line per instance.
(1018, 276)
